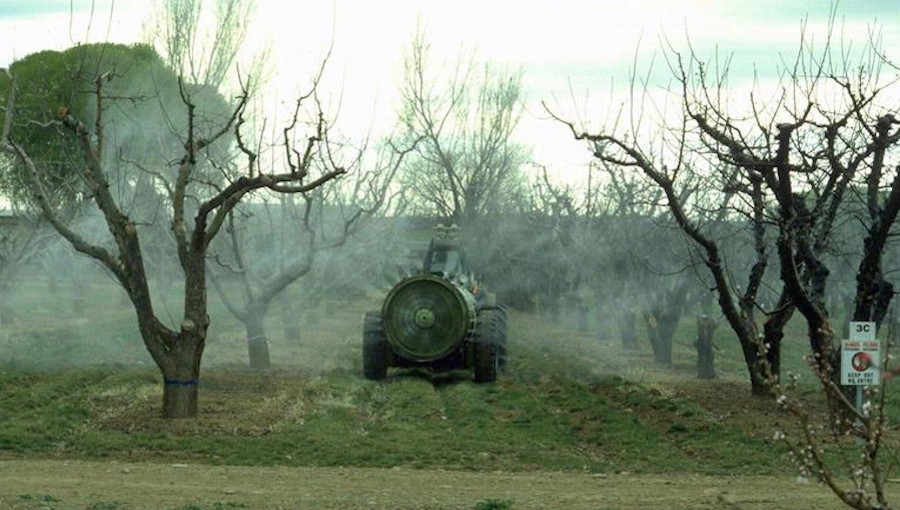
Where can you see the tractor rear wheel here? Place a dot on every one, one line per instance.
(487, 345)
(375, 347)
(500, 311)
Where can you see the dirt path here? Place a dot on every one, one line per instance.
(59, 484)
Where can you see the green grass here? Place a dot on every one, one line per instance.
(535, 417)
(213, 506)
(494, 504)
(87, 389)
(106, 505)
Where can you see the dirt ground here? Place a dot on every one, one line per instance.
(66, 484)
(60, 484)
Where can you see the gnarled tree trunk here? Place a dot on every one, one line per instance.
(181, 376)
(706, 328)
(257, 341)
(7, 313)
(289, 318)
(628, 329)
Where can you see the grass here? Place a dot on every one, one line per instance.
(213, 506)
(567, 402)
(494, 504)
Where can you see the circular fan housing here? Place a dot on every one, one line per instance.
(427, 317)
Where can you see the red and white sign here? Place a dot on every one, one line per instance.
(861, 356)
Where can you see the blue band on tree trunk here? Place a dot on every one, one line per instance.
(179, 382)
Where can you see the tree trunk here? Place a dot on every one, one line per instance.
(873, 292)
(289, 317)
(181, 375)
(827, 362)
(663, 318)
(660, 330)
(668, 323)
(180, 397)
(7, 312)
(755, 356)
(706, 328)
(582, 318)
(773, 334)
(628, 329)
(653, 337)
(257, 341)
(552, 309)
(79, 293)
(179, 358)
(760, 383)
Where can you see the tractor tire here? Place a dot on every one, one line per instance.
(501, 335)
(499, 312)
(375, 347)
(487, 347)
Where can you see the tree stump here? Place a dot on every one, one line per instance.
(706, 328)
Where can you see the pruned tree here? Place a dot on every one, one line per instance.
(833, 137)
(620, 211)
(202, 56)
(467, 159)
(664, 154)
(825, 134)
(631, 255)
(199, 208)
(797, 153)
(272, 245)
(23, 236)
(546, 246)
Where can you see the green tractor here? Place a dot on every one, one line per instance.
(440, 318)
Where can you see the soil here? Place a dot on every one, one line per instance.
(31, 484)
(61, 484)
(155, 483)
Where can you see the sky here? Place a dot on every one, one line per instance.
(574, 54)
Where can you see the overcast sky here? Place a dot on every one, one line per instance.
(585, 46)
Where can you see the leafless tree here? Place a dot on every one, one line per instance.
(467, 158)
(199, 209)
(22, 238)
(202, 57)
(797, 155)
(668, 166)
(273, 245)
(630, 254)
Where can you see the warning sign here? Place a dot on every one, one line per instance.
(860, 362)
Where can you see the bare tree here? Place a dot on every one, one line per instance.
(199, 209)
(628, 251)
(467, 157)
(202, 57)
(810, 152)
(22, 238)
(272, 246)
(667, 169)
(620, 210)
(797, 154)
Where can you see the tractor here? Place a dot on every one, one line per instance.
(440, 318)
